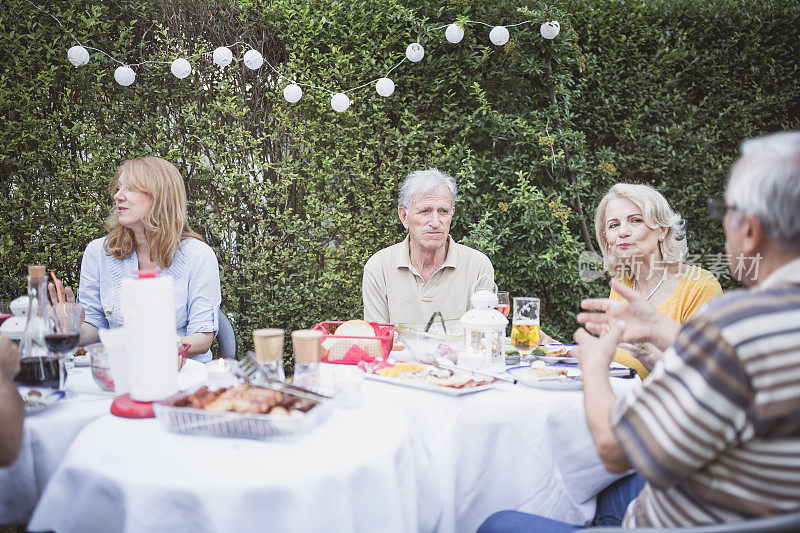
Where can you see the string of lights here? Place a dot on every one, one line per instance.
(222, 56)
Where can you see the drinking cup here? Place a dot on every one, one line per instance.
(306, 344)
(268, 344)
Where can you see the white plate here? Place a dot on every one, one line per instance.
(36, 404)
(449, 391)
(524, 376)
(192, 375)
(557, 359)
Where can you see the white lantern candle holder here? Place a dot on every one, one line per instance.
(180, 68)
(484, 332)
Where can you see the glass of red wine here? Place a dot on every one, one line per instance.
(65, 321)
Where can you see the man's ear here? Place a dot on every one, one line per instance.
(401, 212)
(753, 234)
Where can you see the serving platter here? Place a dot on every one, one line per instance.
(439, 389)
(523, 375)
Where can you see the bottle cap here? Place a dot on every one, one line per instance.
(37, 271)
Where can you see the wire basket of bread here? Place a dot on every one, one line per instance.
(354, 341)
(242, 411)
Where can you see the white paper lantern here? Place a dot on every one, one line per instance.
(415, 52)
(78, 55)
(293, 93)
(253, 59)
(384, 86)
(124, 75)
(454, 33)
(499, 35)
(223, 56)
(549, 30)
(180, 68)
(340, 102)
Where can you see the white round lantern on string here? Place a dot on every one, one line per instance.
(550, 30)
(124, 75)
(292, 93)
(454, 33)
(253, 59)
(180, 68)
(384, 87)
(222, 56)
(78, 55)
(340, 102)
(499, 35)
(415, 52)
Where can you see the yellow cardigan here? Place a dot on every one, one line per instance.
(696, 287)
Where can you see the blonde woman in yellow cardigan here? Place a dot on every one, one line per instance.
(644, 247)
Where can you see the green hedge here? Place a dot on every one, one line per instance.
(294, 198)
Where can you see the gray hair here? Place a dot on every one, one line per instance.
(765, 182)
(423, 182)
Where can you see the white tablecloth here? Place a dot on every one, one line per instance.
(360, 470)
(512, 447)
(48, 434)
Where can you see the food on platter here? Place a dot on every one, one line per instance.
(244, 398)
(540, 351)
(540, 370)
(429, 375)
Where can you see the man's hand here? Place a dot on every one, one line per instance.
(644, 322)
(645, 352)
(596, 353)
(9, 357)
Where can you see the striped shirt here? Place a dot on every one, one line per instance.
(716, 429)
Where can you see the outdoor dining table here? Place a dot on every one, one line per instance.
(47, 436)
(407, 460)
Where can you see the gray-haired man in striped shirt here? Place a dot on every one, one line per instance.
(715, 429)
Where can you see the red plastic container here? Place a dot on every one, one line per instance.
(351, 350)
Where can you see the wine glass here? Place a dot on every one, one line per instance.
(525, 325)
(63, 336)
(503, 303)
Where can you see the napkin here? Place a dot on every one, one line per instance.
(353, 356)
(149, 310)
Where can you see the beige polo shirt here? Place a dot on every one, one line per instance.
(394, 292)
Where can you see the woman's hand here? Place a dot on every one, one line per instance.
(644, 322)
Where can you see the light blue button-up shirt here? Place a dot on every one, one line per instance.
(195, 275)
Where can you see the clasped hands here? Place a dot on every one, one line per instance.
(633, 324)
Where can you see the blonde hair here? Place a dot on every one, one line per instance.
(656, 212)
(165, 222)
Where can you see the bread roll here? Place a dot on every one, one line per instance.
(337, 348)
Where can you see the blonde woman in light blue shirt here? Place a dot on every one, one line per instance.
(148, 230)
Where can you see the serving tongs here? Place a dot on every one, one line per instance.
(443, 362)
(249, 369)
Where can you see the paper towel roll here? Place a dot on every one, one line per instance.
(149, 310)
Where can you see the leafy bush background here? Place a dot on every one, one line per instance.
(294, 198)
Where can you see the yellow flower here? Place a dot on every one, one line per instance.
(607, 168)
(546, 141)
(503, 206)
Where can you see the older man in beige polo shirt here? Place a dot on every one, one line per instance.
(428, 271)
